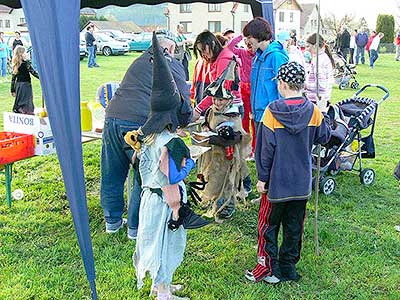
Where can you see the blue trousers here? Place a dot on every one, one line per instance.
(3, 62)
(373, 56)
(116, 157)
(91, 56)
(360, 52)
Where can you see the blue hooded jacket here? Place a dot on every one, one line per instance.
(264, 87)
(284, 141)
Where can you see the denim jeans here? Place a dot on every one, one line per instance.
(373, 56)
(116, 157)
(360, 51)
(92, 56)
(3, 62)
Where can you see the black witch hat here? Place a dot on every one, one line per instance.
(216, 89)
(165, 97)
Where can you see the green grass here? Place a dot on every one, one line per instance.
(360, 250)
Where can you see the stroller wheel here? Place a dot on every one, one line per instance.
(355, 85)
(367, 176)
(343, 85)
(327, 185)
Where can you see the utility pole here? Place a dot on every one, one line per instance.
(166, 14)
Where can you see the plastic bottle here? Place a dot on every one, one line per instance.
(86, 117)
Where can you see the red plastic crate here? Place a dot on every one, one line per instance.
(15, 146)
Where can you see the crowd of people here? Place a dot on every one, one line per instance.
(264, 102)
(352, 46)
(252, 102)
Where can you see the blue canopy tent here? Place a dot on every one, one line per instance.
(54, 30)
(268, 12)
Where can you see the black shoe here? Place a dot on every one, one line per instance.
(289, 274)
(226, 213)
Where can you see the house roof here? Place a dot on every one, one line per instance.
(308, 8)
(5, 9)
(278, 3)
(122, 26)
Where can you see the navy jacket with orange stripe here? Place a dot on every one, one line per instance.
(285, 138)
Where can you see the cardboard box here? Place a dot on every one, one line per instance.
(39, 127)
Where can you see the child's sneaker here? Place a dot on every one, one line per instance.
(269, 279)
(132, 233)
(115, 227)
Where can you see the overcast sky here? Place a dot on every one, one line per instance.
(369, 9)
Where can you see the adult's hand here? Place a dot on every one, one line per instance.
(13, 94)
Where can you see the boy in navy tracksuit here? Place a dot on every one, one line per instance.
(290, 127)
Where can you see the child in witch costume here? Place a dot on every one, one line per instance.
(224, 166)
(289, 128)
(164, 162)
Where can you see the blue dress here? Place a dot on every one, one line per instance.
(159, 250)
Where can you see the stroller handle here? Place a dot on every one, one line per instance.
(377, 86)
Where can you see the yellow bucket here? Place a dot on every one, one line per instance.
(86, 117)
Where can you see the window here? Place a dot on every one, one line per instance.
(187, 26)
(214, 26)
(214, 7)
(7, 24)
(185, 8)
(242, 24)
(291, 17)
(21, 20)
(1, 23)
(281, 16)
(246, 7)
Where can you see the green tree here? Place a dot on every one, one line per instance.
(385, 24)
(83, 20)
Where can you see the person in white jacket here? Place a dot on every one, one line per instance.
(352, 46)
(373, 49)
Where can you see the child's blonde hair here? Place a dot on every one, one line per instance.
(18, 58)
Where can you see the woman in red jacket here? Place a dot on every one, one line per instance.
(217, 58)
(371, 38)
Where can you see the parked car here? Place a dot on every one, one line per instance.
(119, 36)
(109, 46)
(82, 49)
(141, 41)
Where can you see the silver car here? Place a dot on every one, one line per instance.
(109, 46)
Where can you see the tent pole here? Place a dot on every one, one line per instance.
(316, 239)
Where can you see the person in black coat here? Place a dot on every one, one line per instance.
(344, 42)
(17, 40)
(21, 87)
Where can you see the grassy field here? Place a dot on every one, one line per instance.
(360, 250)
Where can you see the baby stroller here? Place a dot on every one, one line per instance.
(350, 119)
(344, 73)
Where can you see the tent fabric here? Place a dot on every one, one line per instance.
(255, 6)
(54, 30)
(268, 12)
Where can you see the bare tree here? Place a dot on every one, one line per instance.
(334, 23)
